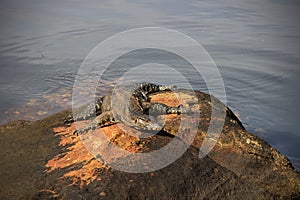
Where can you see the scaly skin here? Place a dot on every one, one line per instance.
(132, 106)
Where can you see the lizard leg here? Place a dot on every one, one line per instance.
(105, 118)
(86, 112)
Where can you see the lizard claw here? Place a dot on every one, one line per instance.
(81, 131)
(69, 120)
(85, 129)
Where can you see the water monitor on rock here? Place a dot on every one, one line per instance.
(128, 104)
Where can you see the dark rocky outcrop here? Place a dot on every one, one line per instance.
(44, 160)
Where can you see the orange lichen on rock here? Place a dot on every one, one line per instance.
(78, 152)
(93, 150)
(171, 99)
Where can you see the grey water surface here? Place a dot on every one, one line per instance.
(254, 43)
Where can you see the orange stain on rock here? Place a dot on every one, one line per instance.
(76, 153)
(171, 99)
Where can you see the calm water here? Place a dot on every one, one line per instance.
(255, 45)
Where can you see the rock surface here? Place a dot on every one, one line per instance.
(44, 160)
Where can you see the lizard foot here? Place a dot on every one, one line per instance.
(69, 120)
(85, 129)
